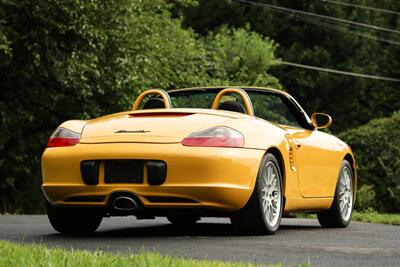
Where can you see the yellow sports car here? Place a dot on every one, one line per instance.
(250, 154)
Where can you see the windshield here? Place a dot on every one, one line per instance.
(269, 106)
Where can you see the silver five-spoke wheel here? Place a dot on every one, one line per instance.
(271, 194)
(339, 214)
(263, 212)
(345, 193)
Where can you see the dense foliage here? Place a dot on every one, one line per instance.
(378, 159)
(66, 59)
(322, 43)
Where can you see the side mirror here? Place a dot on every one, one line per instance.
(321, 120)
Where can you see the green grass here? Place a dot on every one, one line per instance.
(12, 254)
(375, 217)
(369, 216)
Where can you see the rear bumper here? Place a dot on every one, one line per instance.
(218, 179)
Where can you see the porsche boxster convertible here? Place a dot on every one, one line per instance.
(249, 154)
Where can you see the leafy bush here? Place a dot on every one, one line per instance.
(377, 151)
(365, 198)
(76, 59)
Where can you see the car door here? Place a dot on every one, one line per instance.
(315, 161)
(312, 150)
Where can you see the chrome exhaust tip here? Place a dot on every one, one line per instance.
(124, 203)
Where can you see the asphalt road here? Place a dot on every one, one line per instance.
(298, 240)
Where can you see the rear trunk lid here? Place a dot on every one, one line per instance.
(155, 126)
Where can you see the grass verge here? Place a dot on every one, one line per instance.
(375, 217)
(365, 216)
(13, 254)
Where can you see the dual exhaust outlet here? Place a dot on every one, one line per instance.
(124, 203)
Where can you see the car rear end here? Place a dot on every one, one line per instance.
(150, 162)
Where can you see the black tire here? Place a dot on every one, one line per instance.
(334, 218)
(73, 221)
(183, 220)
(251, 218)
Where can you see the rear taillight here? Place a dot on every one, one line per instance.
(219, 136)
(63, 137)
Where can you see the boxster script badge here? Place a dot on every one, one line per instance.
(132, 131)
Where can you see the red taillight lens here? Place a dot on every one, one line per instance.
(63, 137)
(215, 137)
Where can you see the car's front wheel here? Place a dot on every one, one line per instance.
(73, 221)
(263, 212)
(339, 215)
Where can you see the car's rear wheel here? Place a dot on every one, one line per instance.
(73, 221)
(183, 220)
(263, 212)
(339, 214)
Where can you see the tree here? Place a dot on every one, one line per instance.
(319, 43)
(378, 159)
(76, 59)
